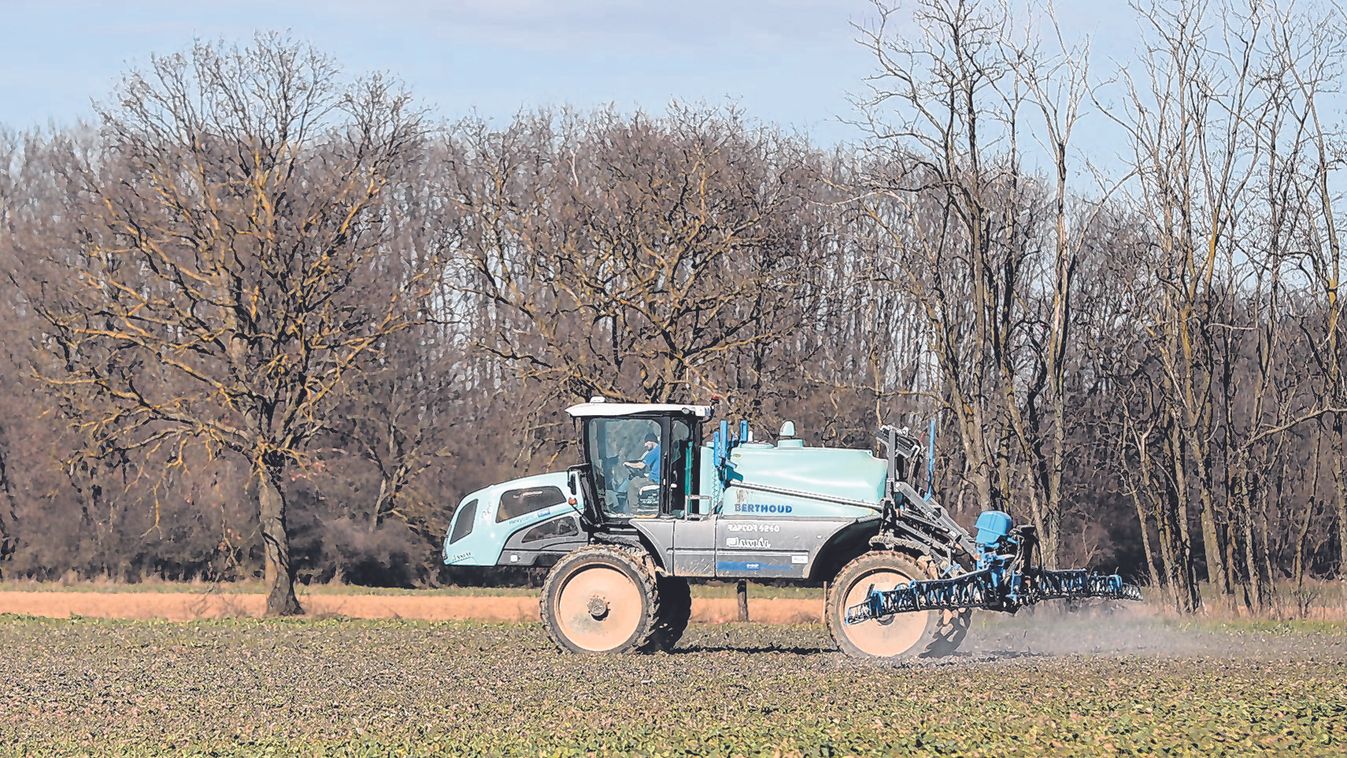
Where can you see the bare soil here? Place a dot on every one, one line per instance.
(1048, 683)
(183, 606)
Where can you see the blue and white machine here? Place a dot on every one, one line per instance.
(654, 503)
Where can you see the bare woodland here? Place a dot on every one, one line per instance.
(268, 320)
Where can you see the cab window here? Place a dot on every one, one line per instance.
(467, 513)
(520, 502)
(627, 461)
(566, 526)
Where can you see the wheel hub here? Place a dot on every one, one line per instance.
(598, 608)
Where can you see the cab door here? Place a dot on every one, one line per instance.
(694, 530)
(678, 466)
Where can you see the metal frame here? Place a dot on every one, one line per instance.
(910, 517)
(1009, 576)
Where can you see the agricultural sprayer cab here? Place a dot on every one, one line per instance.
(652, 506)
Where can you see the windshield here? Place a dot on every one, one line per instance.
(626, 456)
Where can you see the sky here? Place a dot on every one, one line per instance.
(792, 62)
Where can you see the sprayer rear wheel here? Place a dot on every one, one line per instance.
(951, 627)
(924, 634)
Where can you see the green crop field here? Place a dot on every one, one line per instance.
(1049, 684)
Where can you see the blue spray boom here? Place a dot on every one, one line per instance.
(1009, 573)
(1008, 577)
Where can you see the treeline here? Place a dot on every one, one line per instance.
(266, 320)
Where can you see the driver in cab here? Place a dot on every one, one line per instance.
(645, 472)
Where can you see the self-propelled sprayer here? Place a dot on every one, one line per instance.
(653, 505)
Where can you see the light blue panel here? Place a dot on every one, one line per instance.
(831, 482)
(748, 502)
(483, 546)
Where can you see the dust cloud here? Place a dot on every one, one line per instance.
(1110, 629)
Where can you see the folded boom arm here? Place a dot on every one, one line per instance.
(1008, 576)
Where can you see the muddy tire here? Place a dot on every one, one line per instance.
(675, 609)
(924, 634)
(602, 599)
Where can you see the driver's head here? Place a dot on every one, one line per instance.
(651, 440)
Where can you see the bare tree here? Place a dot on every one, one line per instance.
(229, 273)
(631, 258)
(928, 116)
(947, 117)
(9, 192)
(1187, 126)
(1312, 54)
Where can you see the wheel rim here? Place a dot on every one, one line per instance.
(598, 608)
(881, 638)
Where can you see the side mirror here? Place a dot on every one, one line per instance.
(787, 430)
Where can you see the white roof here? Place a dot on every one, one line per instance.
(598, 407)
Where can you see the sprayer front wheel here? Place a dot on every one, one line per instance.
(924, 634)
(602, 599)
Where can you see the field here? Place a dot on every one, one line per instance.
(1056, 683)
(700, 588)
(190, 602)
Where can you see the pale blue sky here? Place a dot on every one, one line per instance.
(793, 62)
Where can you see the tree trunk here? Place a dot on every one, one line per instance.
(1303, 530)
(1184, 559)
(1218, 569)
(1151, 570)
(8, 516)
(376, 516)
(1302, 540)
(1244, 495)
(1340, 493)
(280, 574)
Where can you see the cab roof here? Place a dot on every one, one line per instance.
(600, 407)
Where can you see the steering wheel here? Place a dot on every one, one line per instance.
(614, 473)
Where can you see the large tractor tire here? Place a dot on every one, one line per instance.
(675, 609)
(602, 599)
(921, 634)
